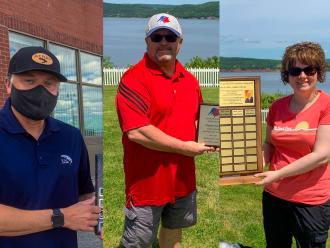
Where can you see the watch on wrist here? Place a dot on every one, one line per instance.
(57, 218)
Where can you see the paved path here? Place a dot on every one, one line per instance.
(88, 240)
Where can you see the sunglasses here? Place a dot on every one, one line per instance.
(309, 71)
(159, 37)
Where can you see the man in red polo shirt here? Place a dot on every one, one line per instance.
(157, 105)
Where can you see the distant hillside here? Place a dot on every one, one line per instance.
(236, 63)
(209, 10)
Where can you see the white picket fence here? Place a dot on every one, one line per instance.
(207, 77)
(264, 113)
(112, 76)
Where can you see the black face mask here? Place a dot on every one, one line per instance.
(36, 103)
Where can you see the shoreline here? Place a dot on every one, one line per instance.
(249, 70)
(253, 70)
(185, 18)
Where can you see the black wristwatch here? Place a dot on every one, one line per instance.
(57, 218)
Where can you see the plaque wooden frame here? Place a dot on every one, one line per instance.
(240, 130)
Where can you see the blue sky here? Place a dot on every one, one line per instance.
(171, 2)
(262, 29)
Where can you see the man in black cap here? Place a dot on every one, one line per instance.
(46, 192)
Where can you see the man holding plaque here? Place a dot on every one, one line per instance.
(46, 192)
(157, 105)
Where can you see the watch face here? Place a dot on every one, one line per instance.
(57, 218)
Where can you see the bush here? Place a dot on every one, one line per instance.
(268, 99)
(198, 62)
(107, 63)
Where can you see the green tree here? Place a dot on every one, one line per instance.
(208, 10)
(268, 99)
(107, 63)
(198, 62)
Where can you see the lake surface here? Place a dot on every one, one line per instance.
(271, 81)
(124, 39)
(124, 43)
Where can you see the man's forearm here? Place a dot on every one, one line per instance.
(155, 139)
(81, 216)
(15, 222)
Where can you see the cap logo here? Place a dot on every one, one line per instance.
(42, 58)
(164, 19)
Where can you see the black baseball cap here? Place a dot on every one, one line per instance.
(35, 59)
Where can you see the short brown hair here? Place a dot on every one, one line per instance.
(308, 53)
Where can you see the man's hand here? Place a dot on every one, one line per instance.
(81, 216)
(153, 138)
(192, 148)
(101, 235)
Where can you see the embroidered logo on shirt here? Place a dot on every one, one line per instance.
(65, 159)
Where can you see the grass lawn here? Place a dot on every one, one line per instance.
(231, 213)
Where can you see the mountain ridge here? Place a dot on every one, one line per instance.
(208, 10)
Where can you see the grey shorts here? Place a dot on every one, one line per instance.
(141, 223)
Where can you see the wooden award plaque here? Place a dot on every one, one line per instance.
(240, 130)
(208, 125)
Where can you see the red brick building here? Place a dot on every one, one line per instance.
(73, 31)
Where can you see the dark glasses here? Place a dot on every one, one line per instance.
(309, 71)
(159, 37)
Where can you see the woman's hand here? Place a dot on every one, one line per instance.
(268, 177)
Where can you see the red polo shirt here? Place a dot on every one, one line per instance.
(146, 96)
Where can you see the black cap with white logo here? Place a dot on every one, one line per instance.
(35, 59)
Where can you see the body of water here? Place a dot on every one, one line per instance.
(271, 81)
(124, 39)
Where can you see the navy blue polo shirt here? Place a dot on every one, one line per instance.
(51, 172)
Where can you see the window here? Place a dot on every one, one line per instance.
(67, 107)
(67, 58)
(91, 68)
(18, 41)
(91, 77)
(93, 110)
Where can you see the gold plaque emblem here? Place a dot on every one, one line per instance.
(42, 58)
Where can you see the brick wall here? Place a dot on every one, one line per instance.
(76, 23)
(4, 60)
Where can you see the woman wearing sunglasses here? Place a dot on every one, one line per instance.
(297, 149)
